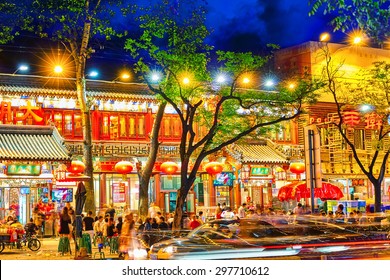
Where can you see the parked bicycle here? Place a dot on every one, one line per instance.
(24, 240)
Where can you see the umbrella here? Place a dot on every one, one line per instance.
(328, 191)
(298, 190)
(80, 200)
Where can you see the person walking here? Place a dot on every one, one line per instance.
(88, 222)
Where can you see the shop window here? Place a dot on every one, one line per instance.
(113, 127)
(141, 125)
(122, 126)
(132, 126)
(176, 127)
(105, 128)
(58, 122)
(359, 136)
(78, 127)
(68, 124)
(166, 127)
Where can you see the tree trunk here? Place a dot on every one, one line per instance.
(145, 173)
(377, 193)
(177, 218)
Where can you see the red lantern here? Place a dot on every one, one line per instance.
(123, 167)
(76, 167)
(169, 167)
(297, 167)
(213, 167)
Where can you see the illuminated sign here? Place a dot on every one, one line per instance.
(260, 171)
(23, 169)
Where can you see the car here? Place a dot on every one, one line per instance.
(270, 238)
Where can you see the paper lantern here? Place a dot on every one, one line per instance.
(76, 167)
(123, 167)
(297, 167)
(169, 167)
(213, 167)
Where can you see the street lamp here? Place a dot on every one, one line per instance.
(22, 68)
(58, 69)
(93, 74)
(123, 76)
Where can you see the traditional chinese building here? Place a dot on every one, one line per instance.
(335, 160)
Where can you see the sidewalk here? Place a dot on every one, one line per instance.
(49, 251)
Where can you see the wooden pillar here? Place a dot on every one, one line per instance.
(213, 198)
(102, 191)
(157, 191)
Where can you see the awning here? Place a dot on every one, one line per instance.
(32, 143)
(256, 153)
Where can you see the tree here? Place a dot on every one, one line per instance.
(145, 172)
(74, 23)
(370, 87)
(370, 16)
(175, 43)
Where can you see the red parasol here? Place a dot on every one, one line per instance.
(298, 190)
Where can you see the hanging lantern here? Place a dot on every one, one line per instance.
(169, 167)
(297, 167)
(213, 167)
(123, 167)
(76, 167)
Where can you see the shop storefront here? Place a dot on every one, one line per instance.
(257, 177)
(28, 155)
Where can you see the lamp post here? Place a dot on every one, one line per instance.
(21, 68)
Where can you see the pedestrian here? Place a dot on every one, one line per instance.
(119, 224)
(202, 218)
(88, 222)
(218, 211)
(298, 210)
(163, 225)
(31, 228)
(228, 213)
(65, 223)
(242, 211)
(194, 222)
(126, 239)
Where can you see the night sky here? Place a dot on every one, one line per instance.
(245, 25)
(238, 25)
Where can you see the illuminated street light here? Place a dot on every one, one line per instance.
(325, 37)
(269, 83)
(155, 76)
(93, 74)
(22, 68)
(221, 79)
(58, 69)
(124, 76)
(246, 80)
(186, 80)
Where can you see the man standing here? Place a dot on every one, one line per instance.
(242, 211)
(88, 224)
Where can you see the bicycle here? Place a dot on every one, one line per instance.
(31, 241)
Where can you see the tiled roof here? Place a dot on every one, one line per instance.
(17, 85)
(256, 153)
(34, 143)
